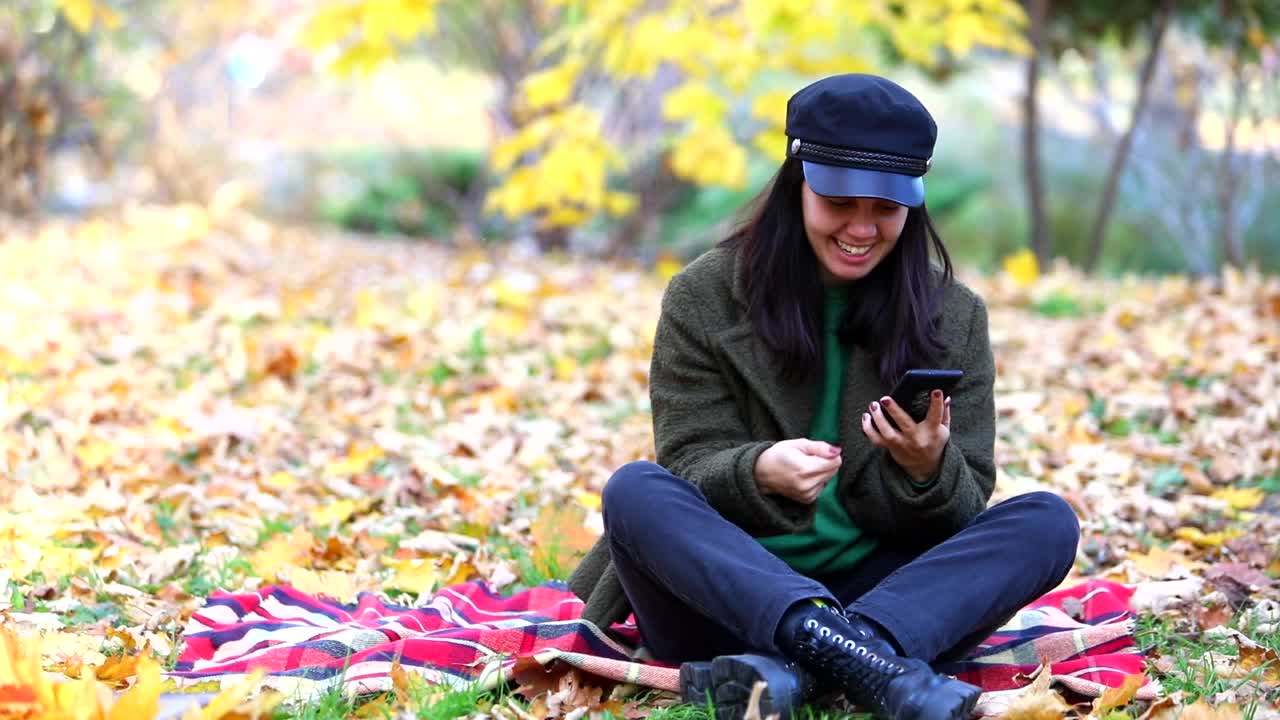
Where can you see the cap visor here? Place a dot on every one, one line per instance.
(835, 181)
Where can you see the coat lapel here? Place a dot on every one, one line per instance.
(790, 403)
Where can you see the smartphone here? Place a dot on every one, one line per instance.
(912, 390)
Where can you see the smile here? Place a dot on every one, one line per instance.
(856, 250)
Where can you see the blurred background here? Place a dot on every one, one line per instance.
(1139, 136)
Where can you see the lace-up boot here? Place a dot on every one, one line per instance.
(847, 652)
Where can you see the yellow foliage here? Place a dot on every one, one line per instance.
(708, 155)
(694, 101)
(365, 31)
(557, 166)
(81, 14)
(551, 87)
(1022, 267)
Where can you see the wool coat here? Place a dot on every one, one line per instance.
(719, 400)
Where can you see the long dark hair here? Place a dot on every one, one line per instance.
(892, 311)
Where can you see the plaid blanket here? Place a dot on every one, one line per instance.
(466, 635)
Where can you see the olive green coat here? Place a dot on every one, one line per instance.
(719, 401)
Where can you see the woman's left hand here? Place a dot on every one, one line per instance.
(916, 446)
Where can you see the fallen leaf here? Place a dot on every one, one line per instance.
(1120, 696)
(416, 575)
(1200, 710)
(1158, 563)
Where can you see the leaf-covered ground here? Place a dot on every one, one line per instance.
(193, 399)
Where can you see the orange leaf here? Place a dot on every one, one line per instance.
(1118, 696)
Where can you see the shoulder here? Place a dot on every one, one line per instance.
(962, 317)
(708, 281)
(961, 302)
(710, 272)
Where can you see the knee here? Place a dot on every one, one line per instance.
(631, 488)
(1054, 525)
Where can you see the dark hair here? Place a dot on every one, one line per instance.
(892, 311)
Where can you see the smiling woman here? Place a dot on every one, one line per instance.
(789, 533)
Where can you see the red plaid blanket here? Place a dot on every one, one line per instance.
(468, 634)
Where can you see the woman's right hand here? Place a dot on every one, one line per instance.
(798, 469)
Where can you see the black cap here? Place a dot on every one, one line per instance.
(861, 136)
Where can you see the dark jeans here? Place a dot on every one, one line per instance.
(701, 587)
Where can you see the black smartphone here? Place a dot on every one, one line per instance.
(912, 390)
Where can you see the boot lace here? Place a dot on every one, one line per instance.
(850, 658)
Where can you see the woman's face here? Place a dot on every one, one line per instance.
(850, 235)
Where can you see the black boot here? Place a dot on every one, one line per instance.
(727, 682)
(847, 652)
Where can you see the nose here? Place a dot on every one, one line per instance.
(861, 230)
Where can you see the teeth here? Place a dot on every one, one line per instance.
(854, 250)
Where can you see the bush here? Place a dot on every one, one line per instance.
(420, 193)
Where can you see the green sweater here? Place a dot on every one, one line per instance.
(833, 543)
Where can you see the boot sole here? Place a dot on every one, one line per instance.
(952, 700)
(734, 676)
(695, 683)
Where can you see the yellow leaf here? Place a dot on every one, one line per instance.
(566, 367)
(94, 453)
(370, 310)
(1202, 539)
(552, 86)
(143, 699)
(1022, 267)
(336, 512)
(424, 302)
(281, 552)
(1038, 701)
(1200, 710)
(667, 266)
(620, 203)
(341, 586)
(358, 458)
(281, 480)
(1241, 498)
(415, 575)
(588, 500)
(1158, 562)
(1118, 696)
(229, 699)
(79, 13)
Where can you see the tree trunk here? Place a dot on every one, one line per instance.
(1040, 241)
(1228, 179)
(1121, 153)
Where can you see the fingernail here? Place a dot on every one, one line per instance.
(886, 401)
(875, 406)
(937, 393)
(865, 417)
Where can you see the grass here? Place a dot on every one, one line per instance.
(1189, 660)
(432, 703)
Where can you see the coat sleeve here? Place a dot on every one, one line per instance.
(884, 499)
(698, 429)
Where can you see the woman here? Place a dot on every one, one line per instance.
(790, 532)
